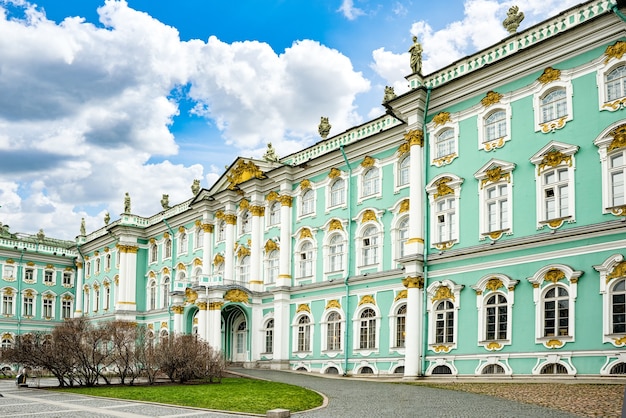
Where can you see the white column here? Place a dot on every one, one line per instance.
(255, 326)
(215, 323)
(413, 328)
(207, 248)
(78, 302)
(256, 250)
(131, 279)
(229, 250)
(120, 304)
(281, 330)
(415, 243)
(284, 272)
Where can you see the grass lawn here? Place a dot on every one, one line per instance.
(233, 394)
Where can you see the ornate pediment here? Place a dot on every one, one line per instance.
(243, 171)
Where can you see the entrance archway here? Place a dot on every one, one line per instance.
(237, 341)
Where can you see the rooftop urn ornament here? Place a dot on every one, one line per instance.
(324, 127)
(165, 201)
(270, 154)
(195, 187)
(107, 218)
(416, 56)
(127, 203)
(40, 235)
(513, 18)
(83, 230)
(390, 94)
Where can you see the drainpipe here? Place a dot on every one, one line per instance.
(426, 238)
(172, 277)
(348, 271)
(615, 9)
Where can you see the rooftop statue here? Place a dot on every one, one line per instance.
(107, 218)
(270, 153)
(40, 235)
(416, 56)
(390, 94)
(165, 201)
(83, 230)
(324, 127)
(513, 18)
(127, 203)
(195, 187)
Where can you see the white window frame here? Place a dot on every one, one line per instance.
(325, 329)
(544, 164)
(356, 326)
(8, 302)
(361, 246)
(307, 349)
(243, 270)
(32, 274)
(183, 242)
(67, 304)
(331, 203)
(30, 296)
(245, 222)
(269, 333)
(273, 209)
(167, 248)
(543, 90)
(166, 290)
(394, 324)
(435, 296)
(328, 245)
(445, 186)
(605, 141)
(47, 304)
(490, 285)
(152, 295)
(403, 172)
(489, 144)
(612, 271)
(300, 264)
(485, 182)
(606, 67)
(154, 253)
(52, 274)
(272, 266)
(541, 285)
(435, 130)
(360, 172)
(400, 230)
(221, 231)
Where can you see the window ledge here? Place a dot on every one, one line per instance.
(495, 235)
(556, 222)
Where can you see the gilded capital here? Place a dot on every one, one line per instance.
(414, 137)
(285, 200)
(215, 306)
(178, 310)
(413, 282)
(208, 228)
(127, 248)
(201, 305)
(257, 210)
(230, 219)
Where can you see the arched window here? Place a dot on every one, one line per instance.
(333, 331)
(370, 246)
(442, 369)
(7, 341)
(273, 264)
(304, 333)
(371, 182)
(153, 253)
(493, 369)
(617, 170)
(163, 336)
(496, 318)
(554, 368)
(199, 241)
(495, 126)
(308, 203)
(107, 296)
(444, 322)
(246, 222)
(305, 261)
(269, 336)
(404, 171)
(168, 248)
(445, 143)
(616, 83)
(556, 312)
(402, 236)
(183, 242)
(400, 326)
(618, 307)
(337, 193)
(367, 329)
(335, 253)
(152, 295)
(274, 218)
(221, 230)
(97, 267)
(554, 105)
(244, 270)
(107, 262)
(166, 292)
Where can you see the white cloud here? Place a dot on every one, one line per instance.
(85, 111)
(349, 11)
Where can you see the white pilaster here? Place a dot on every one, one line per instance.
(255, 325)
(207, 248)
(281, 330)
(202, 317)
(413, 329)
(229, 250)
(78, 303)
(256, 250)
(284, 272)
(415, 243)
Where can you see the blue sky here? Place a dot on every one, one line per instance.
(100, 98)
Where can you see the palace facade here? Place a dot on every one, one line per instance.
(477, 228)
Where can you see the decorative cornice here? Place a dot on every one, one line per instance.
(127, 248)
(270, 245)
(218, 259)
(494, 175)
(244, 204)
(554, 158)
(242, 172)
(619, 138)
(618, 271)
(272, 196)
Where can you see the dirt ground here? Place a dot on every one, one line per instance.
(587, 400)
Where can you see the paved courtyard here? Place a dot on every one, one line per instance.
(346, 397)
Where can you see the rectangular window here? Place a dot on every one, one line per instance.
(556, 194)
(67, 279)
(497, 208)
(28, 306)
(47, 277)
(445, 215)
(47, 308)
(29, 275)
(66, 309)
(8, 271)
(7, 305)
